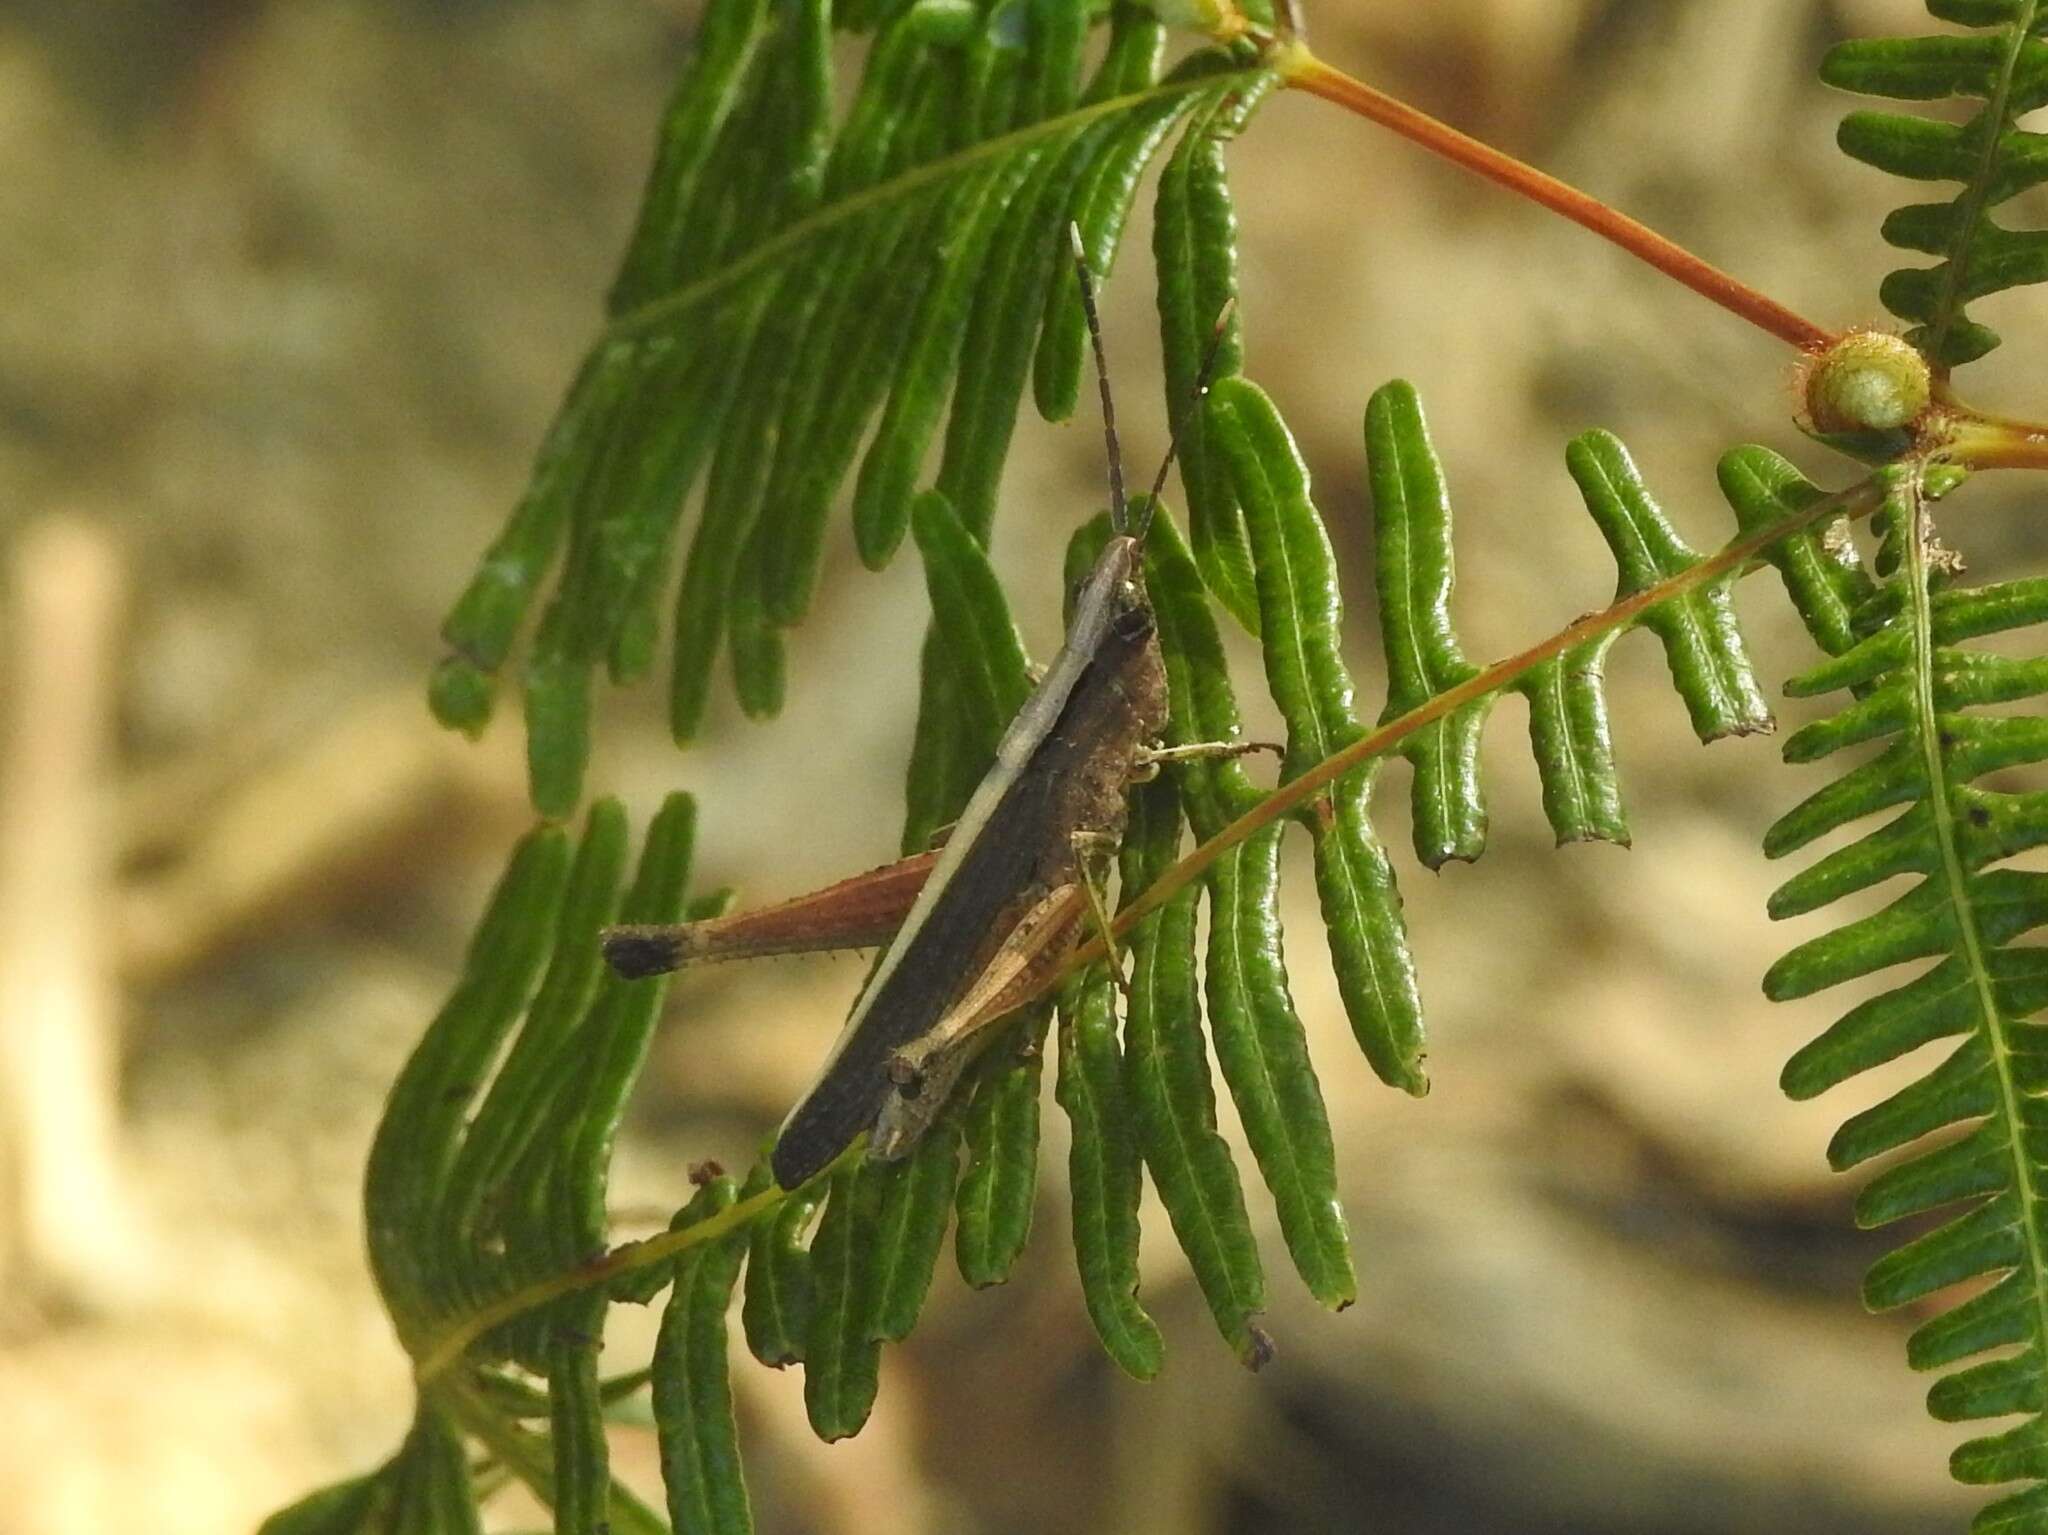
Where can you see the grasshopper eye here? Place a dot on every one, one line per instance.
(905, 1077)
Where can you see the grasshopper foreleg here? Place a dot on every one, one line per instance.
(1147, 761)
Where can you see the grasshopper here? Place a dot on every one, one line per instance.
(998, 909)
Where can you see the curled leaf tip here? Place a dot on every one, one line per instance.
(1258, 1350)
(1867, 381)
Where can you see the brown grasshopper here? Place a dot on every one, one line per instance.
(1005, 901)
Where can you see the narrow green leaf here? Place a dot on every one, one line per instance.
(1053, 69)
(941, 775)
(700, 1456)
(1415, 572)
(1028, 256)
(557, 727)
(878, 274)
(1101, 205)
(776, 1312)
(917, 1202)
(485, 620)
(433, 1492)
(1574, 749)
(616, 1036)
(576, 1422)
(1929, 68)
(1104, 1172)
(841, 1358)
(1167, 1074)
(1194, 247)
(1823, 576)
(991, 676)
(999, 1185)
(738, 482)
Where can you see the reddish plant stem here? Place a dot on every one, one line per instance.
(1304, 71)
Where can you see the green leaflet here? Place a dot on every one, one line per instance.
(991, 676)
(776, 1312)
(583, 1478)
(2005, 66)
(940, 776)
(1194, 245)
(974, 678)
(1103, 1169)
(999, 1184)
(1101, 204)
(1911, 686)
(1573, 746)
(841, 1357)
(1413, 566)
(1167, 1077)
(1702, 641)
(700, 1457)
(1259, 1038)
(425, 1487)
(1301, 637)
(917, 1202)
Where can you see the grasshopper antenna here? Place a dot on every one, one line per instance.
(1204, 376)
(1119, 510)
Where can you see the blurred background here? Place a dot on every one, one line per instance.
(290, 291)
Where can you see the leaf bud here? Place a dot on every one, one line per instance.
(1868, 381)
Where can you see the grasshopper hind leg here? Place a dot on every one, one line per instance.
(1148, 760)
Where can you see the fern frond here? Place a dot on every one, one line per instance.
(1975, 1125)
(485, 1202)
(475, 1192)
(2005, 66)
(788, 281)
